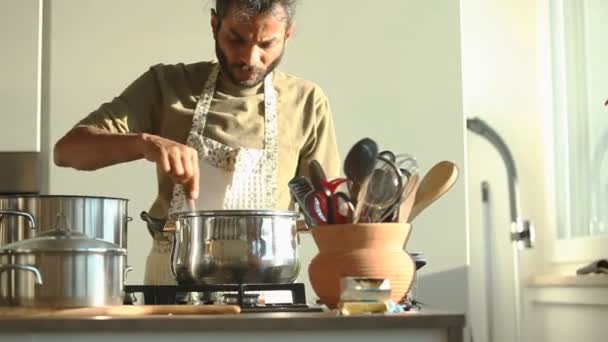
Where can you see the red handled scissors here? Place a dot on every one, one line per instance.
(329, 206)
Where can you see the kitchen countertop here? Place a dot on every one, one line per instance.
(239, 322)
(450, 324)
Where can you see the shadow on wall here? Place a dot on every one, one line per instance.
(444, 290)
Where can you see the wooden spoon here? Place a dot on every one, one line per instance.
(405, 208)
(359, 164)
(436, 182)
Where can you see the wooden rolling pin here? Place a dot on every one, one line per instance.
(120, 310)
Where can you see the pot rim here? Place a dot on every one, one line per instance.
(61, 196)
(232, 213)
(119, 251)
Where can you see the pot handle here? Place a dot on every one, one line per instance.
(302, 227)
(158, 225)
(32, 269)
(128, 269)
(27, 216)
(153, 223)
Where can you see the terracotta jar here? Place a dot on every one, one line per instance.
(360, 250)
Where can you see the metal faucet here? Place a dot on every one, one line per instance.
(522, 231)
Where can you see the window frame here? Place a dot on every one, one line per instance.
(570, 129)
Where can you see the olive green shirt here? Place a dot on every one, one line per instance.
(162, 102)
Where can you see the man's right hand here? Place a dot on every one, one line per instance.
(91, 148)
(178, 161)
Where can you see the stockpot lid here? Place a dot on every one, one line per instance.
(59, 240)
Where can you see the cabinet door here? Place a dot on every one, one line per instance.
(20, 56)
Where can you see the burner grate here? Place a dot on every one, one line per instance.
(168, 294)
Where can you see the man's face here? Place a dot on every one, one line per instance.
(248, 48)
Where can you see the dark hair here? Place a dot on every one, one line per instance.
(250, 8)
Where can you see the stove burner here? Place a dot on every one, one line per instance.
(249, 299)
(233, 294)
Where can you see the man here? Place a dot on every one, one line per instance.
(224, 135)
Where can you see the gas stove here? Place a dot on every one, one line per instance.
(250, 297)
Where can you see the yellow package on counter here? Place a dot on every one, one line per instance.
(355, 308)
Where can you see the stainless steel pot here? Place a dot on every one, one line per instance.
(61, 268)
(233, 246)
(96, 217)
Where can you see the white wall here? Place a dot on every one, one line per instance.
(392, 72)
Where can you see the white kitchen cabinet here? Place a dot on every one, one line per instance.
(578, 303)
(20, 70)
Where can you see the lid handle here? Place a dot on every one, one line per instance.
(62, 223)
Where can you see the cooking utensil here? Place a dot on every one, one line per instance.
(317, 206)
(407, 202)
(379, 191)
(103, 218)
(404, 203)
(345, 208)
(359, 163)
(436, 182)
(342, 208)
(333, 184)
(328, 206)
(390, 155)
(317, 175)
(408, 165)
(123, 310)
(301, 188)
(234, 247)
(61, 268)
(318, 178)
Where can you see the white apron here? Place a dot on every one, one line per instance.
(230, 178)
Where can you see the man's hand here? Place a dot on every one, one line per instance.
(178, 161)
(91, 148)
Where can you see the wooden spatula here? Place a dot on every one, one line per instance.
(436, 182)
(405, 208)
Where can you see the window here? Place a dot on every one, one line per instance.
(579, 30)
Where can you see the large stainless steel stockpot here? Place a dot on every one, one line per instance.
(234, 246)
(61, 268)
(96, 217)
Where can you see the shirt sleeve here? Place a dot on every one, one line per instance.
(135, 110)
(321, 145)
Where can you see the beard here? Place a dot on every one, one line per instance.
(230, 68)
